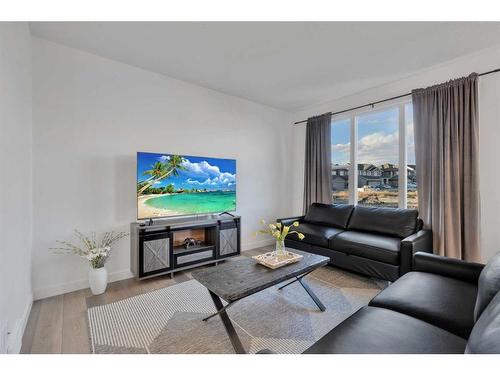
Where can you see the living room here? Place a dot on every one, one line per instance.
(236, 187)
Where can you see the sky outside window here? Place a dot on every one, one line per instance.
(341, 135)
(378, 137)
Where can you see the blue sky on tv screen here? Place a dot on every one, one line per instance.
(200, 172)
(377, 138)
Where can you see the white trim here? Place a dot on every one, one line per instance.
(55, 290)
(15, 338)
(257, 244)
(402, 172)
(58, 289)
(353, 178)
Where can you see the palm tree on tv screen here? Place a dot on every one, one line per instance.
(170, 188)
(161, 170)
(175, 165)
(158, 170)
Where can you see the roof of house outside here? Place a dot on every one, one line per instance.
(367, 167)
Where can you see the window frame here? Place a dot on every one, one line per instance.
(353, 174)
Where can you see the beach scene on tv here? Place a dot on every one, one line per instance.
(172, 185)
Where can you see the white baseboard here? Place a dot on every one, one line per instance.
(55, 290)
(15, 338)
(256, 244)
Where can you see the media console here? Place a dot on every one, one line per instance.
(158, 248)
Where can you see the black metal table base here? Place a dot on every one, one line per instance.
(231, 332)
(306, 287)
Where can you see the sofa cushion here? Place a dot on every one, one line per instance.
(488, 285)
(442, 301)
(485, 336)
(368, 245)
(397, 222)
(364, 266)
(315, 234)
(336, 215)
(376, 330)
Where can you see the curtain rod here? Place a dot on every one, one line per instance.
(386, 100)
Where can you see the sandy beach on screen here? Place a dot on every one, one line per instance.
(145, 211)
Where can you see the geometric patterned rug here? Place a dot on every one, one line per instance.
(169, 320)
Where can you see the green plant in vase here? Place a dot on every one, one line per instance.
(279, 231)
(95, 252)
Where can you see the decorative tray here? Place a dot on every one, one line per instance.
(271, 260)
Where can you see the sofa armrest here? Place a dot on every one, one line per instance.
(290, 220)
(449, 267)
(420, 241)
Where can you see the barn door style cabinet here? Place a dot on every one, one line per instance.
(161, 248)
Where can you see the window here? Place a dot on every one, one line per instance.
(380, 143)
(377, 153)
(411, 181)
(341, 149)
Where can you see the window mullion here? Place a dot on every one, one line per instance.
(353, 172)
(402, 167)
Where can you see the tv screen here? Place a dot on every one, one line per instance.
(174, 185)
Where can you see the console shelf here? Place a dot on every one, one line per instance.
(158, 249)
(178, 250)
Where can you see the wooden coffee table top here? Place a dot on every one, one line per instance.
(234, 280)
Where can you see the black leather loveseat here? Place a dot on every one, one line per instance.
(444, 306)
(375, 241)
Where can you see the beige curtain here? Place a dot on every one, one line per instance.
(446, 146)
(318, 161)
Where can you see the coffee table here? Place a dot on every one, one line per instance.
(235, 280)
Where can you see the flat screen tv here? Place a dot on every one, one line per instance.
(175, 185)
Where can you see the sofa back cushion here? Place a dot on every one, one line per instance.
(335, 215)
(488, 285)
(485, 335)
(396, 222)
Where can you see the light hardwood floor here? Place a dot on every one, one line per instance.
(59, 324)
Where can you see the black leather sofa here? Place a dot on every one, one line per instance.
(378, 242)
(444, 306)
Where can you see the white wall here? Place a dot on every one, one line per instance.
(91, 115)
(489, 99)
(15, 188)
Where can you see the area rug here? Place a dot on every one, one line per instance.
(287, 321)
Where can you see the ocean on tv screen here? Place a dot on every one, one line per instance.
(173, 185)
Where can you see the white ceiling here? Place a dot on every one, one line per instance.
(284, 65)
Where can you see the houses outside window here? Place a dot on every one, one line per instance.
(377, 154)
(382, 141)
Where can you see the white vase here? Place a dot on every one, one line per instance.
(98, 280)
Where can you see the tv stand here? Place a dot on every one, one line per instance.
(157, 248)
